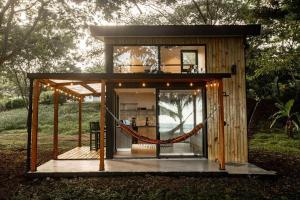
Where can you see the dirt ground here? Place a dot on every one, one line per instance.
(13, 184)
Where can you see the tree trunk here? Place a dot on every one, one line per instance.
(289, 128)
(252, 117)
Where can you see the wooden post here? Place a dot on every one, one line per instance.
(79, 121)
(221, 126)
(55, 123)
(34, 129)
(102, 126)
(29, 122)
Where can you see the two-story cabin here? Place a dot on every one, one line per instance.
(162, 81)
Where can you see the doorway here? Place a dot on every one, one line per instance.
(136, 108)
(179, 112)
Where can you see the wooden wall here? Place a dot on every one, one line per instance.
(221, 53)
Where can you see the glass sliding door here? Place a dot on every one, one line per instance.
(179, 112)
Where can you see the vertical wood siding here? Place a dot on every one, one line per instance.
(221, 53)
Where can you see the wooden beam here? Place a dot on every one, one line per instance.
(64, 89)
(102, 125)
(89, 88)
(221, 126)
(34, 129)
(55, 127)
(79, 121)
(29, 123)
(91, 94)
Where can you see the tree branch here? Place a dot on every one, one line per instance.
(4, 58)
(4, 9)
(200, 12)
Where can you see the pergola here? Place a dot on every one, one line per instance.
(79, 85)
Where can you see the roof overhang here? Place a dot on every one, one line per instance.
(130, 77)
(175, 30)
(86, 84)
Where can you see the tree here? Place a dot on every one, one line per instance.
(180, 101)
(41, 36)
(285, 113)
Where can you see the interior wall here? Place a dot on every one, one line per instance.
(221, 53)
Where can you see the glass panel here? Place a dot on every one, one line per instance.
(135, 59)
(171, 58)
(136, 108)
(189, 61)
(180, 111)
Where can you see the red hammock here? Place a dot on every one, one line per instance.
(148, 140)
(180, 138)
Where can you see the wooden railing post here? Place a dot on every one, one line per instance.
(102, 126)
(79, 121)
(34, 129)
(55, 127)
(221, 126)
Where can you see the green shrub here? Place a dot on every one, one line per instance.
(3, 104)
(14, 103)
(46, 98)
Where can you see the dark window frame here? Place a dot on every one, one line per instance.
(181, 58)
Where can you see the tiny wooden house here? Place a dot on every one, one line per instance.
(183, 50)
(171, 91)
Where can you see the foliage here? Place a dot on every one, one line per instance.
(273, 58)
(8, 104)
(275, 141)
(285, 113)
(46, 97)
(68, 118)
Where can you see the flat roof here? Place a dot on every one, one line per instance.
(175, 30)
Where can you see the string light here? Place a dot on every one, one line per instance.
(144, 84)
(198, 90)
(215, 84)
(168, 84)
(120, 84)
(191, 84)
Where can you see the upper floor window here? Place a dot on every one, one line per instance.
(151, 59)
(135, 59)
(189, 60)
(182, 59)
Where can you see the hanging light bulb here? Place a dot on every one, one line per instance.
(198, 90)
(144, 84)
(215, 84)
(120, 84)
(191, 84)
(168, 84)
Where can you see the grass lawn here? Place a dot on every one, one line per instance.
(275, 141)
(270, 150)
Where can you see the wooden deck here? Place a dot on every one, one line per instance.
(80, 153)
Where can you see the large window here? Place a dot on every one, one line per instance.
(179, 112)
(145, 59)
(182, 59)
(135, 59)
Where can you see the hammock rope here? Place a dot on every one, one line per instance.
(129, 131)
